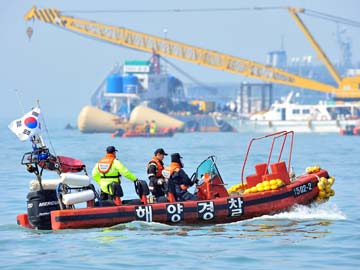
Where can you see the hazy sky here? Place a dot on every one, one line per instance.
(63, 69)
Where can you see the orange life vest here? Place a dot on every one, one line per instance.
(159, 165)
(104, 164)
(175, 167)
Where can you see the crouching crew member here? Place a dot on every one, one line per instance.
(156, 180)
(180, 179)
(107, 173)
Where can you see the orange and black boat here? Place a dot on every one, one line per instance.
(162, 132)
(271, 189)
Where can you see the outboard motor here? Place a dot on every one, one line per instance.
(39, 205)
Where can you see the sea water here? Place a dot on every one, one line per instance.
(325, 236)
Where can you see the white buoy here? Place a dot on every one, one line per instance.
(78, 197)
(75, 180)
(47, 184)
(92, 119)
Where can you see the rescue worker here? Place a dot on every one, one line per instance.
(107, 173)
(156, 180)
(153, 127)
(147, 127)
(180, 179)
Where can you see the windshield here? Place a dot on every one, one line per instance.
(207, 167)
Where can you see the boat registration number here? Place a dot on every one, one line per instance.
(304, 188)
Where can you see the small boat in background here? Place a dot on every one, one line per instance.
(70, 127)
(351, 130)
(162, 132)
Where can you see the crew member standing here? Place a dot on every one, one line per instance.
(147, 127)
(153, 127)
(107, 173)
(154, 170)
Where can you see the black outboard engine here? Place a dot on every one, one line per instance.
(141, 188)
(39, 205)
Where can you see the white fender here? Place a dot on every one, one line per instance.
(47, 184)
(78, 197)
(72, 179)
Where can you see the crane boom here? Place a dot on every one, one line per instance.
(322, 56)
(169, 48)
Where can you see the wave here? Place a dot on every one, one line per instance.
(328, 211)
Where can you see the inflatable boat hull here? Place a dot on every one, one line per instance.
(216, 211)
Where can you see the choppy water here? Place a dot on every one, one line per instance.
(315, 237)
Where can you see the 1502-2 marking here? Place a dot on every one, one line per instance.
(304, 188)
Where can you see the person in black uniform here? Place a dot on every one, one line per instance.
(154, 170)
(180, 179)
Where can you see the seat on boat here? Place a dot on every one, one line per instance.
(211, 188)
(69, 164)
(279, 168)
(261, 170)
(278, 171)
(270, 176)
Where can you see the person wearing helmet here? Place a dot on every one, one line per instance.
(154, 170)
(107, 172)
(180, 179)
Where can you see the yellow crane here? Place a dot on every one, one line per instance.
(348, 88)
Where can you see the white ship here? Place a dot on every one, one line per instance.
(288, 115)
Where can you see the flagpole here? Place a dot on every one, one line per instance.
(42, 143)
(47, 132)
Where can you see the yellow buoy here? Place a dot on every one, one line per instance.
(266, 182)
(273, 182)
(312, 169)
(259, 185)
(279, 182)
(321, 186)
(322, 194)
(331, 181)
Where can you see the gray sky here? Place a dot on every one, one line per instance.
(62, 69)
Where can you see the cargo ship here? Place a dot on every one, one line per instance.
(142, 90)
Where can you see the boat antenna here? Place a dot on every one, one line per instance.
(47, 131)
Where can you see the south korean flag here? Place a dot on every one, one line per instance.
(28, 125)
